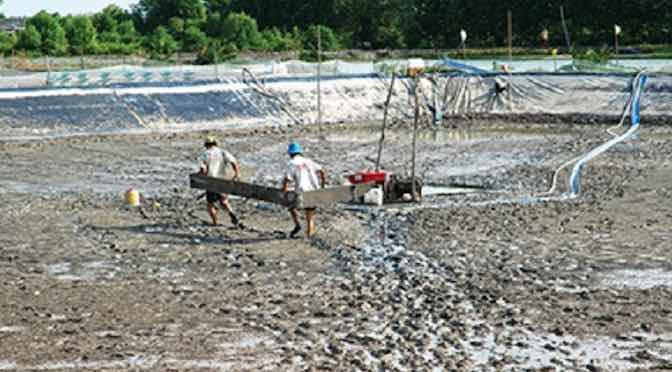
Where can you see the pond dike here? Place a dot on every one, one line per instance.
(53, 112)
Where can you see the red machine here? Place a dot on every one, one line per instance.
(395, 189)
(379, 178)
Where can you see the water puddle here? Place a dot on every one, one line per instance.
(662, 136)
(59, 268)
(431, 190)
(245, 343)
(11, 329)
(87, 271)
(463, 135)
(441, 136)
(130, 362)
(532, 350)
(133, 362)
(165, 273)
(198, 364)
(6, 365)
(637, 279)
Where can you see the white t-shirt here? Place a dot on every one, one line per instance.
(217, 160)
(303, 172)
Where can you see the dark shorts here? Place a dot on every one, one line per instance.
(213, 197)
(310, 209)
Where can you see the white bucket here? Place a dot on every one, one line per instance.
(374, 197)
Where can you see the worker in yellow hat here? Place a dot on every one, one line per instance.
(214, 162)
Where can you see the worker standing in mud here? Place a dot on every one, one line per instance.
(304, 173)
(214, 162)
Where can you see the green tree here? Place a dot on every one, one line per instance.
(153, 13)
(277, 41)
(124, 40)
(81, 34)
(296, 38)
(128, 33)
(176, 27)
(105, 22)
(29, 39)
(285, 14)
(42, 21)
(214, 25)
(161, 43)
(328, 37)
(372, 23)
(53, 39)
(427, 17)
(109, 37)
(54, 42)
(194, 39)
(109, 19)
(216, 51)
(7, 42)
(218, 6)
(242, 30)
(363, 24)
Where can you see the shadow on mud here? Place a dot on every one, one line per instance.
(197, 238)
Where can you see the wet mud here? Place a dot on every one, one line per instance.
(493, 280)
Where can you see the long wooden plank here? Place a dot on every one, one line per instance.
(333, 195)
(247, 190)
(317, 198)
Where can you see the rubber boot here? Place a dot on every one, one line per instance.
(235, 221)
(295, 232)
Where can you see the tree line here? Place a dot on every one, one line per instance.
(218, 29)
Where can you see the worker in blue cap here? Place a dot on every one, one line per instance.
(306, 175)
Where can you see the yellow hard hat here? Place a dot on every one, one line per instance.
(210, 140)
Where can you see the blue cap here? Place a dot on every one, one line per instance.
(294, 148)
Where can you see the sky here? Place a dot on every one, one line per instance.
(30, 7)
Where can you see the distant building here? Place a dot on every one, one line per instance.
(12, 24)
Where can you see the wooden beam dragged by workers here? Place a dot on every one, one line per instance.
(246, 190)
(317, 198)
(333, 195)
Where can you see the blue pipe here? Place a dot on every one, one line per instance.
(575, 178)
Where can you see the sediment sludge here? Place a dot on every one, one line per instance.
(483, 281)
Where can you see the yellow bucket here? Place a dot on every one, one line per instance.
(132, 197)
